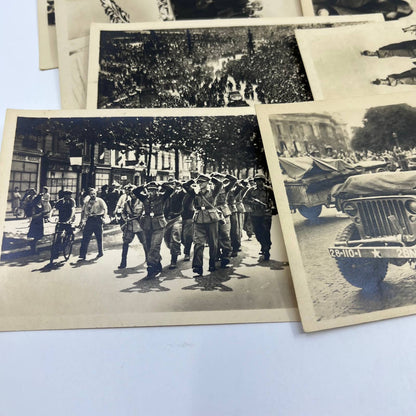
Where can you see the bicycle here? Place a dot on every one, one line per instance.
(63, 240)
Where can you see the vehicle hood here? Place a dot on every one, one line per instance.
(376, 184)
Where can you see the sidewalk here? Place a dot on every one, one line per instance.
(16, 244)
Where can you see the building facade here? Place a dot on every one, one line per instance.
(302, 134)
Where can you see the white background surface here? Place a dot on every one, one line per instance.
(263, 369)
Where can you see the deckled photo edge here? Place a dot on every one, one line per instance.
(300, 279)
(170, 318)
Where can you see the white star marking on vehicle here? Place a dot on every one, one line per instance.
(376, 253)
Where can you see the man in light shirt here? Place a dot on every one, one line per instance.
(93, 212)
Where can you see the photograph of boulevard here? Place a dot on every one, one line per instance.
(223, 65)
(193, 189)
(348, 171)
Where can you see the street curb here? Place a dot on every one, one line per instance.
(24, 251)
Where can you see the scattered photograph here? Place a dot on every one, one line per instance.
(391, 9)
(48, 50)
(344, 176)
(357, 61)
(216, 9)
(138, 218)
(75, 16)
(226, 63)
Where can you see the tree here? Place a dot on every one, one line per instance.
(385, 127)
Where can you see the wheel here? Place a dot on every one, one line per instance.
(311, 213)
(67, 243)
(365, 273)
(54, 248)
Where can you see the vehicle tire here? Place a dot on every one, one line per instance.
(365, 273)
(311, 213)
(67, 245)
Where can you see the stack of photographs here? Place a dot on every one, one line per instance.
(305, 211)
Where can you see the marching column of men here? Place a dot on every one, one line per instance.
(209, 211)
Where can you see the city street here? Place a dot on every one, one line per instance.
(331, 294)
(33, 289)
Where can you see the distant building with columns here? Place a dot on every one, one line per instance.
(302, 134)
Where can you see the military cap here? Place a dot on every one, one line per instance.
(259, 176)
(152, 185)
(67, 192)
(203, 178)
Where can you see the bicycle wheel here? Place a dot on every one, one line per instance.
(67, 245)
(55, 247)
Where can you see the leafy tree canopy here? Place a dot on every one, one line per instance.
(387, 126)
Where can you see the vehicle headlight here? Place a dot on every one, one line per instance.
(350, 209)
(411, 206)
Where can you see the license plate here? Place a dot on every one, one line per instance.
(344, 252)
(374, 252)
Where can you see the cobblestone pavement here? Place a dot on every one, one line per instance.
(331, 294)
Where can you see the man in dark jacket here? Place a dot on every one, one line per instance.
(261, 199)
(153, 222)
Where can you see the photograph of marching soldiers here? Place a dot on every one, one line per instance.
(349, 177)
(375, 59)
(224, 65)
(149, 204)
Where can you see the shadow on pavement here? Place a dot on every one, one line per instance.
(39, 257)
(80, 263)
(49, 267)
(210, 283)
(145, 286)
(123, 273)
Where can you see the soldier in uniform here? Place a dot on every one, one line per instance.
(392, 80)
(205, 220)
(153, 222)
(406, 48)
(235, 224)
(247, 224)
(131, 213)
(93, 212)
(173, 214)
(261, 199)
(187, 225)
(224, 227)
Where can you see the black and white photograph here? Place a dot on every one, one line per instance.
(344, 177)
(48, 50)
(391, 9)
(74, 18)
(220, 9)
(358, 61)
(226, 63)
(116, 219)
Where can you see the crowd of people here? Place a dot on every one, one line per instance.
(196, 68)
(212, 211)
